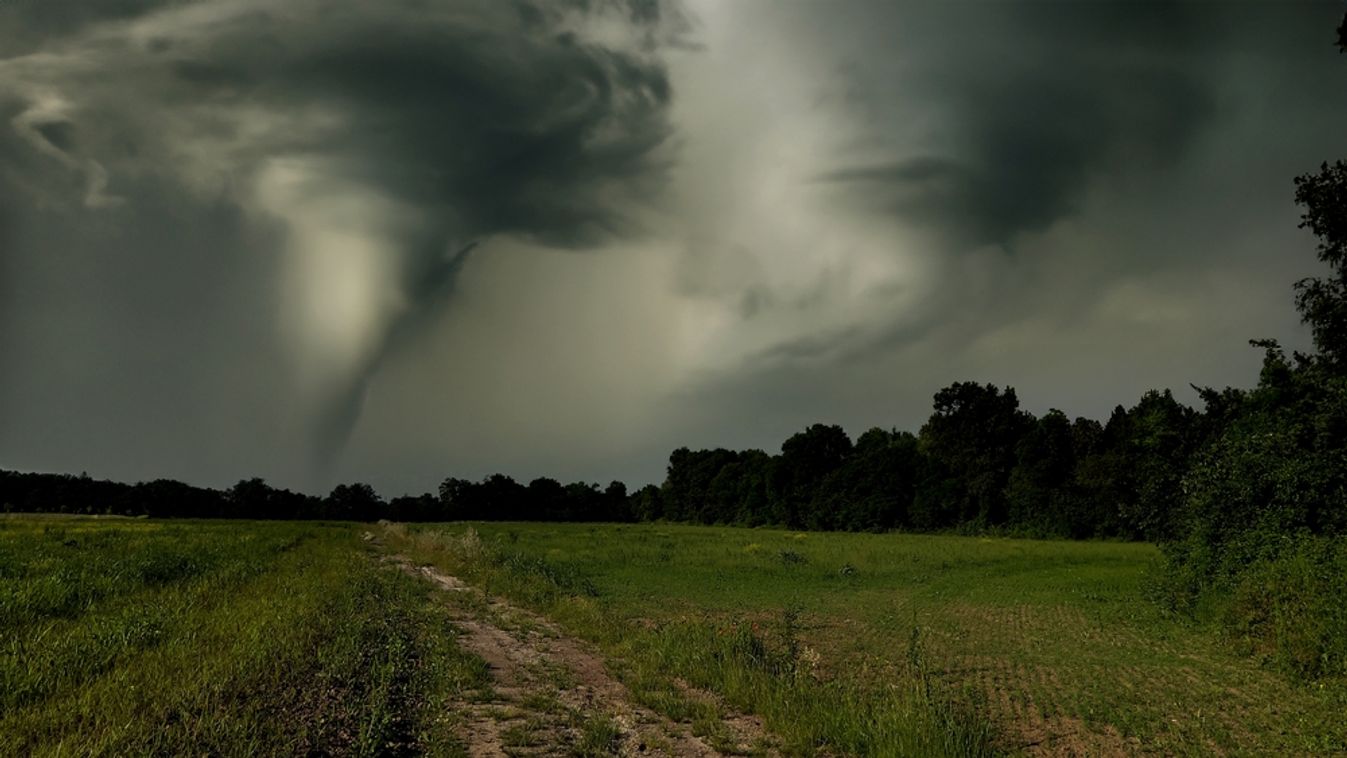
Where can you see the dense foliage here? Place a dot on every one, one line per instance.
(980, 463)
(1261, 533)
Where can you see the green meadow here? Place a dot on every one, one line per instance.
(137, 637)
(131, 637)
(874, 644)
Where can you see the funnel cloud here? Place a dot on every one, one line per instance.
(387, 142)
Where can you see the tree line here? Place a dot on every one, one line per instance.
(497, 497)
(980, 463)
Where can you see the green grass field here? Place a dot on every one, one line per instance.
(126, 637)
(247, 638)
(904, 644)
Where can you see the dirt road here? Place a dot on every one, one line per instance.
(553, 695)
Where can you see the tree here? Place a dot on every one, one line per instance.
(457, 499)
(807, 458)
(708, 486)
(617, 504)
(422, 507)
(1039, 494)
(547, 501)
(1159, 451)
(501, 498)
(874, 487)
(647, 504)
(1265, 499)
(679, 492)
(971, 439)
(251, 498)
(1105, 480)
(1322, 301)
(583, 502)
(753, 487)
(353, 502)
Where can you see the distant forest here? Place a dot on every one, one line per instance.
(980, 463)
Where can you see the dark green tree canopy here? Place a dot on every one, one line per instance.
(1322, 301)
(972, 435)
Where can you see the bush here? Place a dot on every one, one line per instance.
(1275, 472)
(1290, 610)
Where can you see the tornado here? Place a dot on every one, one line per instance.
(391, 144)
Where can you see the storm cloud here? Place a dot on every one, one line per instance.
(1040, 100)
(389, 141)
(326, 240)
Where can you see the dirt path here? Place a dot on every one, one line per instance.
(552, 695)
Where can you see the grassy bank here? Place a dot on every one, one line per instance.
(230, 638)
(900, 644)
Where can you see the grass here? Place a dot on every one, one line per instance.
(684, 644)
(124, 636)
(599, 736)
(898, 644)
(127, 637)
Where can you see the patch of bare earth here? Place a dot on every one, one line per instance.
(546, 687)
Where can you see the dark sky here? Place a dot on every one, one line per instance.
(321, 241)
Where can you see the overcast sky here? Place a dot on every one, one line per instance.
(322, 241)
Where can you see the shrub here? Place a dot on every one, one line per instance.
(1289, 608)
